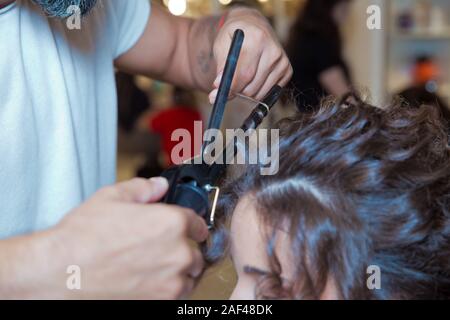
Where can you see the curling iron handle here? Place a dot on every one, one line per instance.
(262, 110)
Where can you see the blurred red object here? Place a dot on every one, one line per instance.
(425, 70)
(166, 122)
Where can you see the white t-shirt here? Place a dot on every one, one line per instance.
(58, 108)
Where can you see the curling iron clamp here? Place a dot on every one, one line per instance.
(192, 185)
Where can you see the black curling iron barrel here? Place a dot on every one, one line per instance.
(192, 185)
(227, 79)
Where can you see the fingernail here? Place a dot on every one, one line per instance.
(160, 182)
(205, 232)
(218, 80)
(213, 96)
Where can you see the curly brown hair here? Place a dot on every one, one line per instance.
(378, 193)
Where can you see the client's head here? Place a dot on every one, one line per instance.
(357, 186)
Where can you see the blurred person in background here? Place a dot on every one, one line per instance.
(132, 101)
(424, 88)
(133, 104)
(315, 51)
(182, 114)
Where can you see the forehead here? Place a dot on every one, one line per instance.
(249, 246)
(249, 239)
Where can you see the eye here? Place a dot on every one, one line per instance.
(255, 271)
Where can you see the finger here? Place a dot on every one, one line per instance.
(189, 285)
(278, 76)
(249, 59)
(197, 229)
(245, 74)
(213, 96)
(246, 70)
(288, 76)
(218, 80)
(142, 190)
(221, 54)
(198, 264)
(220, 67)
(269, 60)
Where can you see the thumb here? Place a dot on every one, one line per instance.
(221, 49)
(197, 228)
(143, 190)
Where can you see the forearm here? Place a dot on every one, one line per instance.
(192, 53)
(192, 63)
(27, 267)
(200, 46)
(174, 49)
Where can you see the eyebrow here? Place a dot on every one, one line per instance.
(257, 271)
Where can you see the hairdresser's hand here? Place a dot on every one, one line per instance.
(129, 249)
(262, 63)
(125, 248)
(192, 53)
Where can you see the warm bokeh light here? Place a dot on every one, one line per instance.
(225, 2)
(177, 7)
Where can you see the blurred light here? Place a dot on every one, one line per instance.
(225, 2)
(177, 7)
(263, 1)
(431, 86)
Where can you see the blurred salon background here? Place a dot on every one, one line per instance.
(331, 49)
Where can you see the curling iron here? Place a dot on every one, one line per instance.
(192, 185)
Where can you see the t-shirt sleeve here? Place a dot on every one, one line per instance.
(130, 18)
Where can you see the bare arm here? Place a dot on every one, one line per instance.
(162, 51)
(192, 53)
(24, 263)
(119, 258)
